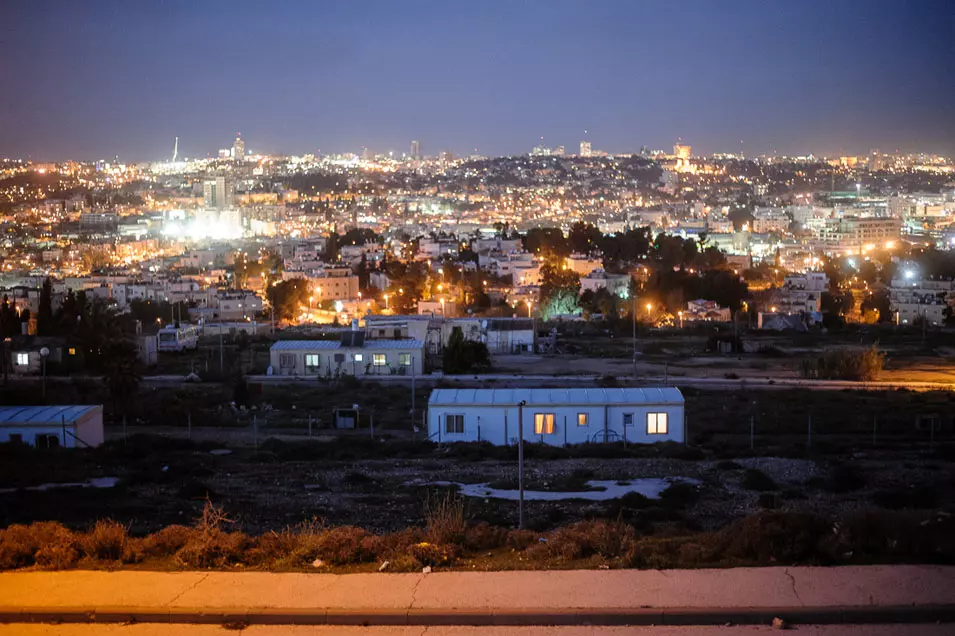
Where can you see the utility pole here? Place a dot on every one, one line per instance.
(221, 354)
(520, 462)
(412, 392)
(635, 336)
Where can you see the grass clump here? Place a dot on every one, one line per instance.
(859, 364)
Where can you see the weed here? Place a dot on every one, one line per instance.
(445, 518)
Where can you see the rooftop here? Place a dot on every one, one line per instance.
(315, 345)
(44, 414)
(490, 397)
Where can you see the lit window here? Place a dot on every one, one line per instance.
(312, 361)
(454, 424)
(71, 351)
(23, 359)
(359, 357)
(656, 423)
(582, 419)
(378, 359)
(544, 423)
(628, 419)
(404, 359)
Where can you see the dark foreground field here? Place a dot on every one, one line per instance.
(840, 495)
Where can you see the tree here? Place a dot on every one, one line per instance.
(559, 292)
(548, 242)
(122, 380)
(584, 238)
(9, 321)
(288, 297)
(44, 316)
(879, 302)
(465, 356)
(627, 248)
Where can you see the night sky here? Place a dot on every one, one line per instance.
(88, 80)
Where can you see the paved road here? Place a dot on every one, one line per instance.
(259, 630)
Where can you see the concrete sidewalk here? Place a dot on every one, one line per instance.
(604, 597)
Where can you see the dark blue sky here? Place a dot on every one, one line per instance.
(88, 79)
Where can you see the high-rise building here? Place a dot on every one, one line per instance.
(218, 193)
(585, 149)
(415, 149)
(681, 151)
(238, 148)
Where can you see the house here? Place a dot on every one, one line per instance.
(556, 416)
(508, 335)
(352, 355)
(68, 426)
(27, 353)
(615, 284)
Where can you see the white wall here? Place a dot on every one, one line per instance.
(487, 423)
(88, 428)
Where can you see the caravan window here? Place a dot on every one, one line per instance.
(544, 423)
(656, 423)
(312, 361)
(628, 419)
(404, 359)
(23, 359)
(287, 361)
(378, 359)
(582, 419)
(454, 423)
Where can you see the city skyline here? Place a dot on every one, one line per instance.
(100, 80)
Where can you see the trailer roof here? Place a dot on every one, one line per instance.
(568, 396)
(45, 414)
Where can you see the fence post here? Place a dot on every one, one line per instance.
(565, 430)
(309, 424)
(255, 432)
(875, 423)
(125, 436)
(371, 424)
(752, 432)
(189, 423)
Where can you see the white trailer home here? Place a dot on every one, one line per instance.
(557, 416)
(52, 426)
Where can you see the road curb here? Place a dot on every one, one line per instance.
(486, 616)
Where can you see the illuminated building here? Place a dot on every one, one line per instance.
(415, 149)
(238, 148)
(681, 151)
(218, 192)
(585, 149)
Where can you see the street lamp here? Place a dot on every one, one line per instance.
(386, 302)
(649, 308)
(680, 314)
(44, 352)
(530, 304)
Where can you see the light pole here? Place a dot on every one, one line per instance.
(530, 304)
(520, 462)
(634, 336)
(44, 352)
(649, 308)
(386, 302)
(680, 314)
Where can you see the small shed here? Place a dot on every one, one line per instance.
(69, 426)
(557, 416)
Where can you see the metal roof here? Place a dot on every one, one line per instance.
(44, 414)
(317, 345)
(569, 396)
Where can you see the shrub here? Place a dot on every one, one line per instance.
(345, 545)
(754, 479)
(105, 541)
(770, 537)
(609, 539)
(210, 546)
(846, 364)
(17, 546)
(521, 539)
(445, 519)
(434, 554)
(56, 545)
(680, 495)
(164, 543)
(484, 536)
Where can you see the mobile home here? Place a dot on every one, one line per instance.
(557, 416)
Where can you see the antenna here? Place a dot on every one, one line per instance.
(175, 150)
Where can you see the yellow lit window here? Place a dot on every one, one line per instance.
(544, 423)
(656, 423)
(582, 419)
(71, 351)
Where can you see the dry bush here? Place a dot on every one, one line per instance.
(106, 541)
(434, 554)
(445, 519)
(344, 545)
(56, 545)
(521, 539)
(484, 536)
(863, 364)
(393, 545)
(164, 543)
(17, 547)
(608, 539)
(210, 546)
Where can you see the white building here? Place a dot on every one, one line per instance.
(52, 426)
(801, 293)
(353, 355)
(616, 284)
(913, 298)
(556, 416)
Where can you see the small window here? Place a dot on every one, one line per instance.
(544, 423)
(312, 361)
(404, 359)
(16, 438)
(359, 357)
(378, 359)
(582, 419)
(71, 351)
(287, 361)
(628, 419)
(656, 423)
(23, 359)
(47, 441)
(454, 424)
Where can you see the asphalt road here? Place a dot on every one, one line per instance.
(257, 630)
